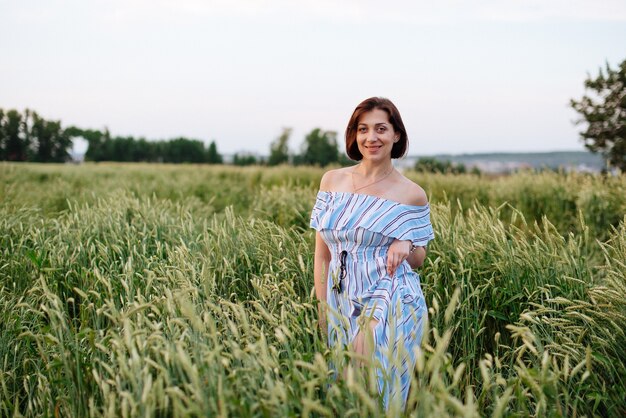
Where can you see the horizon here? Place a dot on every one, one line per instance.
(451, 154)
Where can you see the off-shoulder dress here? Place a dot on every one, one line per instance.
(358, 229)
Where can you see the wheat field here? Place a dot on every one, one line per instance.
(186, 290)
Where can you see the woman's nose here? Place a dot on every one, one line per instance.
(371, 136)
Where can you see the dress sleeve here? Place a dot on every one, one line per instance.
(321, 203)
(418, 229)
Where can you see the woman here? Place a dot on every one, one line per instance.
(373, 225)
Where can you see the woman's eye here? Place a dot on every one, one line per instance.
(381, 129)
(362, 130)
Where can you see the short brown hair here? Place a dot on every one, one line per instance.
(399, 148)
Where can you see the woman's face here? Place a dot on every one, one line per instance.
(375, 136)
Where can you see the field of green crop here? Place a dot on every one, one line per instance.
(162, 290)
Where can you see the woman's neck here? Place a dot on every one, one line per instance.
(369, 169)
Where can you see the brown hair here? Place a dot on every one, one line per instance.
(399, 148)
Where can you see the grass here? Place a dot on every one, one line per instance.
(156, 290)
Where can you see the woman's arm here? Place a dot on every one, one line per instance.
(417, 257)
(320, 267)
(320, 276)
(322, 253)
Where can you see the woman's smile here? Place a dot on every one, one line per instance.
(373, 148)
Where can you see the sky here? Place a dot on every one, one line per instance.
(467, 76)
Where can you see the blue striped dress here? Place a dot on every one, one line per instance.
(358, 229)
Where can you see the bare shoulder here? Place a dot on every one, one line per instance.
(413, 193)
(334, 179)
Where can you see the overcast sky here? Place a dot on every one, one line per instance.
(467, 76)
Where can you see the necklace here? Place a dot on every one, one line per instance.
(355, 189)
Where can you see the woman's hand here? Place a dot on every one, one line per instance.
(398, 252)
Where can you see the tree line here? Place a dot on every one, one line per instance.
(29, 137)
(103, 147)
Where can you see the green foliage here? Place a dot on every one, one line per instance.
(213, 157)
(344, 161)
(103, 147)
(319, 148)
(184, 150)
(433, 165)
(139, 290)
(52, 142)
(605, 114)
(29, 137)
(14, 143)
(244, 160)
(3, 137)
(279, 149)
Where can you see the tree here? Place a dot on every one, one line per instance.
(213, 157)
(15, 142)
(48, 138)
(29, 137)
(184, 150)
(319, 148)
(605, 112)
(3, 137)
(145, 151)
(279, 149)
(244, 159)
(433, 165)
